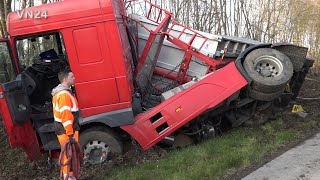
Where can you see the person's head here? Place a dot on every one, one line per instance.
(66, 77)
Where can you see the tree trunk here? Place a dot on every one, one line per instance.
(217, 18)
(3, 19)
(1, 32)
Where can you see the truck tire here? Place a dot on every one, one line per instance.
(296, 54)
(270, 70)
(260, 96)
(99, 143)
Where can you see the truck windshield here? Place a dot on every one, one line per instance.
(7, 72)
(39, 48)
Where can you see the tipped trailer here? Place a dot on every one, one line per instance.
(138, 75)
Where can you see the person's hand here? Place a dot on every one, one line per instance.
(71, 139)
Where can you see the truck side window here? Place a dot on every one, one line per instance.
(31, 49)
(7, 72)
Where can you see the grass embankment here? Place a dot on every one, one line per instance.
(236, 153)
(216, 158)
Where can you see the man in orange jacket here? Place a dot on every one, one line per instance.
(66, 114)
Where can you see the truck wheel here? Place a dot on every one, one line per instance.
(99, 144)
(270, 70)
(260, 96)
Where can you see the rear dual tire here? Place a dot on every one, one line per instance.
(270, 71)
(260, 96)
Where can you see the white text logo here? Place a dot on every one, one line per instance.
(35, 14)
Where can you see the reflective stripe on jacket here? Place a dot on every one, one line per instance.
(65, 112)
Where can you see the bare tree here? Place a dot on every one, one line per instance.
(294, 21)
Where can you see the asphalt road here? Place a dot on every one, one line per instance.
(299, 163)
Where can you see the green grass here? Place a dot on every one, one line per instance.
(213, 158)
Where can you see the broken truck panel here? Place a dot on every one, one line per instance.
(161, 121)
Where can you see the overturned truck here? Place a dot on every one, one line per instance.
(138, 75)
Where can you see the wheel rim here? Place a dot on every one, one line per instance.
(268, 66)
(96, 152)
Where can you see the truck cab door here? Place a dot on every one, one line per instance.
(15, 106)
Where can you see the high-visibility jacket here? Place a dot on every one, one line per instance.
(65, 111)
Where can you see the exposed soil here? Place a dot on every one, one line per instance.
(15, 165)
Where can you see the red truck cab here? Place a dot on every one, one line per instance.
(91, 38)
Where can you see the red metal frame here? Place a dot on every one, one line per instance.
(190, 51)
(196, 34)
(151, 38)
(169, 74)
(183, 68)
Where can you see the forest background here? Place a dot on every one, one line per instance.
(268, 21)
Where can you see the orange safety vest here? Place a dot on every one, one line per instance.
(65, 112)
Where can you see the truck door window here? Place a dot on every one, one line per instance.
(30, 48)
(41, 58)
(7, 72)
